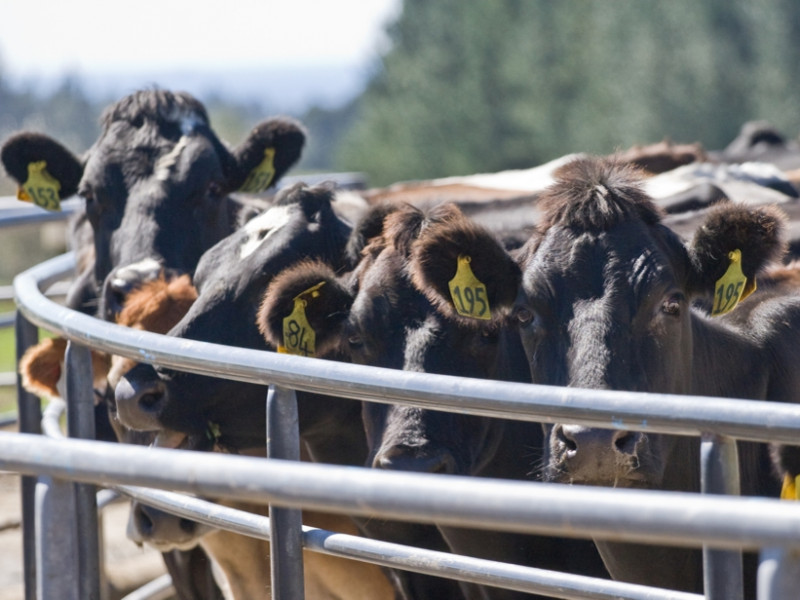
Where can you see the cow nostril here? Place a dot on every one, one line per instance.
(625, 442)
(144, 522)
(150, 401)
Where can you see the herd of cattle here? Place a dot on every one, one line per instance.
(635, 271)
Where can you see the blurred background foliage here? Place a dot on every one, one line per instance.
(468, 86)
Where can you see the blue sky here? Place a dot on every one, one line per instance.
(88, 37)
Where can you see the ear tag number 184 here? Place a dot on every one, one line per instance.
(468, 292)
(260, 178)
(732, 287)
(41, 188)
(298, 336)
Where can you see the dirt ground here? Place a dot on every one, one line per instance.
(127, 566)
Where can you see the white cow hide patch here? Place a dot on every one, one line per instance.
(259, 229)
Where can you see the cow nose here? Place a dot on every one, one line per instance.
(123, 280)
(148, 524)
(405, 458)
(140, 397)
(577, 438)
(596, 456)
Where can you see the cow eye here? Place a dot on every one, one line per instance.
(524, 316)
(672, 304)
(355, 340)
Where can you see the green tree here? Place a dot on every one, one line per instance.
(472, 86)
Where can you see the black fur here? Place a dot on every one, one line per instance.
(596, 193)
(757, 232)
(24, 148)
(324, 312)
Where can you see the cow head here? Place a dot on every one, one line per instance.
(388, 313)
(154, 182)
(231, 279)
(605, 303)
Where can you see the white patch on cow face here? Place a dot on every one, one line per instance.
(163, 166)
(145, 270)
(261, 228)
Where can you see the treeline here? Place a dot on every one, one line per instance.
(479, 86)
(469, 86)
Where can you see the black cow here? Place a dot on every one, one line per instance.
(231, 279)
(606, 303)
(154, 183)
(381, 315)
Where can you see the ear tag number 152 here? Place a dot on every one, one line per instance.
(468, 292)
(41, 188)
(298, 336)
(732, 287)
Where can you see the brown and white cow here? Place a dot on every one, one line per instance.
(606, 303)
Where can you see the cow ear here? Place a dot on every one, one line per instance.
(734, 233)
(464, 271)
(267, 154)
(25, 149)
(311, 295)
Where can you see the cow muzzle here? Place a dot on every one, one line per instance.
(415, 459)
(162, 530)
(140, 396)
(122, 281)
(596, 456)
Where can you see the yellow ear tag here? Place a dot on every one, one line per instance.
(260, 178)
(298, 335)
(732, 287)
(41, 188)
(468, 293)
(790, 487)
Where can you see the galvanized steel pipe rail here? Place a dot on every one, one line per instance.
(718, 421)
(662, 413)
(430, 562)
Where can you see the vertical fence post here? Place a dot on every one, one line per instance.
(286, 554)
(779, 574)
(56, 540)
(29, 418)
(719, 473)
(80, 424)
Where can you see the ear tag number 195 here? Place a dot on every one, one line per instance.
(468, 292)
(41, 188)
(732, 287)
(260, 178)
(298, 336)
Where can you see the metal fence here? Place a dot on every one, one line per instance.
(59, 563)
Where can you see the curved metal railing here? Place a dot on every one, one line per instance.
(520, 506)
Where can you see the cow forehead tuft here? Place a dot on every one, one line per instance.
(260, 228)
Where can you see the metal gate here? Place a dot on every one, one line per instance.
(61, 563)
